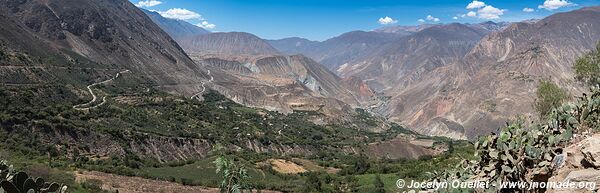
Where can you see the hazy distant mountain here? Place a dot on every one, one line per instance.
(490, 25)
(400, 62)
(344, 48)
(292, 45)
(531, 21)
(227, 43)
(406, 30)
(177, 29)
(353, 46)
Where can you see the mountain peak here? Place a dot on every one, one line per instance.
(177, 29)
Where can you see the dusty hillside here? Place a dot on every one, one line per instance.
(248, 70)
(127, 184)
(95, 35)
(284, 83)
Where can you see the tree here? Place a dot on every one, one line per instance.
(587, 68)
(361, 165)
(549, 96)
(313, 183)
(379, 186)
(234, 177)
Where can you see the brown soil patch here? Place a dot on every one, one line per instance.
(311, 166)
(286, 167)
(126, 184)
(423, 142)
(400, 148)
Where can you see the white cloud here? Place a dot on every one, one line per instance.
(206, 25)
(527, 9)
(455, 18)
(555, 4)
(431, 18)
(181, 14)
(386, 20)
(421, 20)
(490, 12)
(475, 5)
(471, 14)
(148, 3)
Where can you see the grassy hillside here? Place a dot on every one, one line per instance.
(40, 126)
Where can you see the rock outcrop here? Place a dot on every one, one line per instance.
(580, 166)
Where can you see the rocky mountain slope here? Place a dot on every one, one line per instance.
(250, 71)
(233, 43)
(578, 163)
(88, 41)
(284, 83)
(177, 29)
(496, 79)
(401, 62)
(461, 80)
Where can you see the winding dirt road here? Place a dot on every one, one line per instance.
(94, 97)
(203, 87)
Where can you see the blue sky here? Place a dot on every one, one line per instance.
(323, 19)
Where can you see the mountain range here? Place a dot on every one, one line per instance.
(459, 80)
(465, 80)
(107, 81)
(455, 79)
(92, 86)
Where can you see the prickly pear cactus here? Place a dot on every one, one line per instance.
(20, 182)
(520, 154)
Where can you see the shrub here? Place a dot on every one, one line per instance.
(549, 96)
(92, 184)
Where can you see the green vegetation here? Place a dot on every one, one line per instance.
(379, 186)
(42, 136)
(549, 96)
(234, 177)
(587, 68)
(26, 123)
(313, 183)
